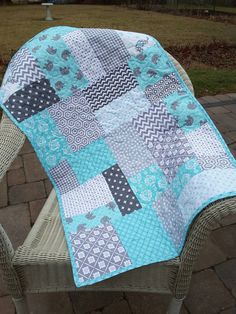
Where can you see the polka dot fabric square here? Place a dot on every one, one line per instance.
(121, 190)
(31, 99)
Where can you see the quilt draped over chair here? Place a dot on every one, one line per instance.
(131, 153)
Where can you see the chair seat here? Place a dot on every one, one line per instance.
(46, 240)
(44, 265)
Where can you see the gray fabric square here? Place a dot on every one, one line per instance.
(24, 68)
(149, 124)
(121, 190)
(64, 177)
(31, 99)
(76, 121)
(221, 161)
(130, 151)
(170, 215)
(110, 87)
(84, 55)
(171, 150)
(163, 88)
(108, 47)
(97, 251)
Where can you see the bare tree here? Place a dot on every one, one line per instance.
(5, 2)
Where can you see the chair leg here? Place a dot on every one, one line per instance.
(21, 305)
(175, 306)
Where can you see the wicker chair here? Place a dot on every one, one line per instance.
(42, 263)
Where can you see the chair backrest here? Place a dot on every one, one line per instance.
(182, 73)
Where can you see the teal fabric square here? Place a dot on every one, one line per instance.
(101, 215)
(91, 160)
(149, 66)
(54, 31)
(185, 172)
(46, 138)
(187, 112)
(148, 184)
(57, 62)
(144, 237)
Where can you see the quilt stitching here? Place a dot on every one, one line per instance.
(31, 99)
(76, 121)
(153, 122)
(24, 69)
(108, 47)
(170, 216)
(110, 87)
(210, 154)
(130, 152)
(98, 251)
(121, 190)
(133, 157)
(84, 198)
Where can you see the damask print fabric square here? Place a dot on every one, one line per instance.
(131, 153)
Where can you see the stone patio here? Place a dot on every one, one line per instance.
(23, 192)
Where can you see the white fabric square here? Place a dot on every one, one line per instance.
(84, 55)
(208, 184)
(205, 142)
(93, 194)
(122, 109)
(136, 43)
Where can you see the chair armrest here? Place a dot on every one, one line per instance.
(10, 277)
(203, 224)
(11, 141)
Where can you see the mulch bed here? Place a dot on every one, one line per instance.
(207, 14)
(200, 13)
(215, 54)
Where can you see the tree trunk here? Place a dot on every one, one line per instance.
(143, 4)
(5, 2)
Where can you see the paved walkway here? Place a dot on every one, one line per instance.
(213, 288)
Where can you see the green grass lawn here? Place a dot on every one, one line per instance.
(226, 9)
(20, 23)
(209, 81)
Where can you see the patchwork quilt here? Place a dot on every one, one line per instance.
(132, 155)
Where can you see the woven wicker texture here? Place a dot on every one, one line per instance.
(11, 141)
(45, 252)
(8, 272)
